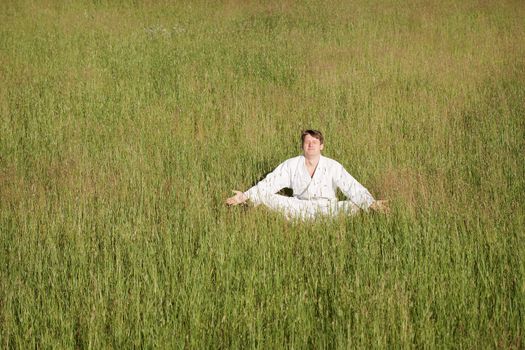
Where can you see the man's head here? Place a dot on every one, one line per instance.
(313, 142)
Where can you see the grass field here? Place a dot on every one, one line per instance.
(123, 128)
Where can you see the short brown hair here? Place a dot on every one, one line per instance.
(314, 133)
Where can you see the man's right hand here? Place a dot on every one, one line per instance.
(237, 199)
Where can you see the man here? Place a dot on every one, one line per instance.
(314, 180)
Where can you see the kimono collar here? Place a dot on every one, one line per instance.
(319, 165)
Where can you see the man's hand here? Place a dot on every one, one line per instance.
(381, 206)
(237, 199)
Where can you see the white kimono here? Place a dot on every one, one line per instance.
(311, 195)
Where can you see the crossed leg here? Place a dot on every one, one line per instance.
(293, 207)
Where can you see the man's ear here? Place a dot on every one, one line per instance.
(321, 147)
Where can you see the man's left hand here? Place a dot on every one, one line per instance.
(381, 206)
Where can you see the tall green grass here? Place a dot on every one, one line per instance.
(123, 127)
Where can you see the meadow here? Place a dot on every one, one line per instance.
(125, 125)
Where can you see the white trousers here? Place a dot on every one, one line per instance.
(295, 208)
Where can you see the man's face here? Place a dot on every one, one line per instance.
(312, 146)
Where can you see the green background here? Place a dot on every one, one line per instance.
(124, 126)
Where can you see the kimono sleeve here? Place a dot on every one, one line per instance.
(352, 189)
(273, 182)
